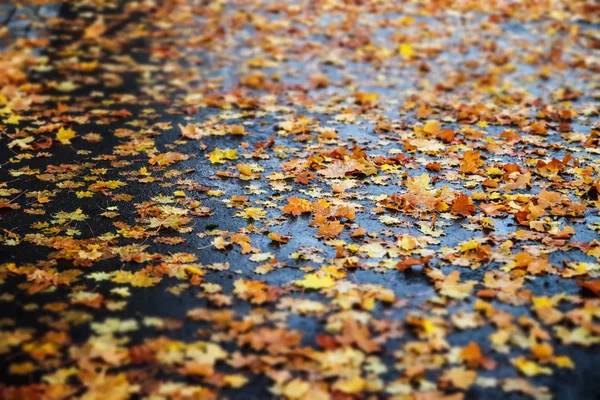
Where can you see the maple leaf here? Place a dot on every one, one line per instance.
(14, 119)
(252, 213)
(330, 229)
(305, 177)
(245, 169)
(276, 237)
(191, 131)
(168, 158)
(43, 143)
(533, 266)
(358, 232)
(471, 162)
(352, 385)
(235, 381)
(296, 389)
(218, 156)
(317, 280)
(297, 206)
(374, 250)
(339, 169)
(458, 377)
(275, 341)
(530, 368)
(42, 280)
(471, 354)
(449, 286)
(366, 99)
(102, 386)
(13, 206)
(24, 144)
(463, 206)
(408, 262)
(258, 292)
(474, 358)
(301, 306)
(115, 325)
(354, 332)
(137, 279)
(520, 181)
(122, 113)
(427, 145)
(65, 135)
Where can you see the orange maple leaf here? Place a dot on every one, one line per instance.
(411, 261)
(297, 206)
(471, 162)
(330, 229)
(463, 206)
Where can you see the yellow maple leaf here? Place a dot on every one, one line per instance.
(218, 156)
(530, 368)
(365, 98)
(296, 388)
(470, 245)
(564, 362)
(452, 288)
(193, 271)
(355, 384)
(317, 280)
(245, 169)
(65, 135)
(81, 194)
(252, 213)
(138, 279)
(374, 250)
(236, 381)
(14, 119)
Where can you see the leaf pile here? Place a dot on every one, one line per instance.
(301, 200)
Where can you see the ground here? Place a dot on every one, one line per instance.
(301, 200)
